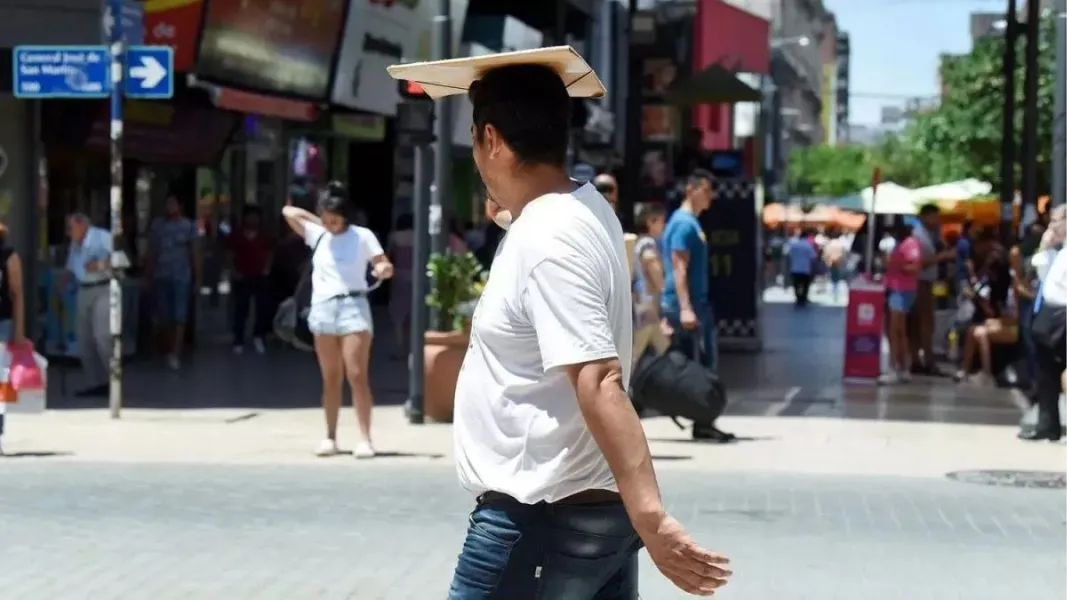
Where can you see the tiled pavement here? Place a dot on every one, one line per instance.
(797, 374)
(80, 531)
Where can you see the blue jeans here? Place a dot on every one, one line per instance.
(517, 551)
(700, 341)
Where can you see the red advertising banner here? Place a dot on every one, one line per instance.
(863, 330)
(174, 23)
(284, 47)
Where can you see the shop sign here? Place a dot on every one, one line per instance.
(174, 23)
(283, 47)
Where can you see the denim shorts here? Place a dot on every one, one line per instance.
(172, 298)
(901, 301)
(341, 316)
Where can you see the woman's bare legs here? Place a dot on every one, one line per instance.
(993, 333)
(969, 349)
(356, 351)
(328, 352)
(899, 351)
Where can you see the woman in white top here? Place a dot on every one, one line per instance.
(340, 316)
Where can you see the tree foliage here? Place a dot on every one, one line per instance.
(958, 139)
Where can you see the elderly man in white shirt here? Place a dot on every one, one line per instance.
(546, 438)
(1049, 331)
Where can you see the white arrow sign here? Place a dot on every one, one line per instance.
(151, 72)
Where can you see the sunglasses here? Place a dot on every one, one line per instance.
(604, 188)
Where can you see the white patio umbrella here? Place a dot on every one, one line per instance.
(891, 199)
(965, 189)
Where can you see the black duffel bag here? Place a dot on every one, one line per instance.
(675, 385)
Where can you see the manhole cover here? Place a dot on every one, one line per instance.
(1048, 480)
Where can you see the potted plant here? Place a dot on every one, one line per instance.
(455, 283)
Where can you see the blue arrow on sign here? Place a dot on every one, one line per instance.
(61, 72)
(150, 72)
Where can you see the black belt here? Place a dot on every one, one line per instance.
(94, 284)
(348, 295)
(583, 497)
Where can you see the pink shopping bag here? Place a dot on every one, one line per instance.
(25, 374)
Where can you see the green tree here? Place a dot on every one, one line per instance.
(829, 170)
(961, 138)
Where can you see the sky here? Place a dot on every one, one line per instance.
(896, 45)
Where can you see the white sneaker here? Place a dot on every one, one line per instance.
(364, 450)
(891, 378)
(326, 447)
(905, 376)
(174, 362)
(1, 448)
(258, 345)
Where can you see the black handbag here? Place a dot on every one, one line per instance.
(675, 385)
(302, 298)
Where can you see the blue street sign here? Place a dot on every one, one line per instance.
(61, 72)
(149, 72)
(132, 22)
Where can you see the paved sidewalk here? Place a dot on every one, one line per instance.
(796, 445)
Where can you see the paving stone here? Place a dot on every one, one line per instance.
(81, 531)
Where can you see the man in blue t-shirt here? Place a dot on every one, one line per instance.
(685, 301)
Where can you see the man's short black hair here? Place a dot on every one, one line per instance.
(700, 175)
(928, 210)
(529, 106)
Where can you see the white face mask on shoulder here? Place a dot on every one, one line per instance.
(503, 219)
(502, 216)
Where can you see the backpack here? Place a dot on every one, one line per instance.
(676, 385)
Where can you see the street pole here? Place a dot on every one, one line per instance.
(1007, 142)
(118, 54)
(1059, 126)
(631, 173)
(419, 254)
(1028, 156)
(442, 172)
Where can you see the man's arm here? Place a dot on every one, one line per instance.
(615, 426)
(680, 268)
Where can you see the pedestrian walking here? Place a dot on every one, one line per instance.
(12, 304)
(173, 265)
(547, 439)
(250, 254)
(88, 263)
(686, 302)
(340, 315)
(802, 256)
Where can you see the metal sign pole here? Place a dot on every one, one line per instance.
(118, 51)
(876, 177)
(419, 254)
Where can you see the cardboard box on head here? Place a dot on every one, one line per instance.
(442, 78)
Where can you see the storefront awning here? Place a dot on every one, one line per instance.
(713, 85)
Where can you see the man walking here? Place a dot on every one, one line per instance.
(921, 318)
(685, 301)
(173, 260)
(546, 437)
(88, 262)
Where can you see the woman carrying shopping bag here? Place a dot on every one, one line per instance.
(12, 305)
(340, 315)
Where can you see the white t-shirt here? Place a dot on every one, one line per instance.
(558, 295)
(1054, 284)
(339, 263)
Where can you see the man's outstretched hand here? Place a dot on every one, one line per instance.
(688, 566)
